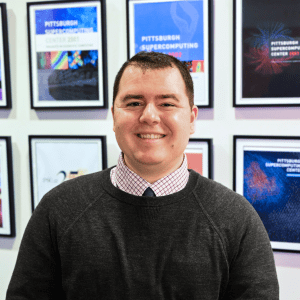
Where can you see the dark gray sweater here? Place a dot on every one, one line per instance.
(89, 240)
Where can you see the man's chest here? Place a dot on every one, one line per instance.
(135, 258)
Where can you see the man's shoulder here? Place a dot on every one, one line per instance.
(210, 188)
(220, 203)
(66, 203)
(80, 191)
(89, 182)
(229, 213)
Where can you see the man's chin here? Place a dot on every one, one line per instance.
(142, 159)
(149, 161)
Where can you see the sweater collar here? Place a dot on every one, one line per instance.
(143, 201)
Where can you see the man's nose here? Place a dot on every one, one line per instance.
(150, 114)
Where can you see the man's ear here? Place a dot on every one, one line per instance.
(112, 110)
(113, 115)
(194, 115)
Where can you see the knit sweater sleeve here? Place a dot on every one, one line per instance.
(37, 271)
(252, 268)
(252, 272)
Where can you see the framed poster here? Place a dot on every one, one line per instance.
(55, 159)
(181, 28)
(7, 208)
(5, 88)
(266, 53)
(267, 174)
(199, 156)
(67, 54)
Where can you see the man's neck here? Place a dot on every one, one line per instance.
(152, 173)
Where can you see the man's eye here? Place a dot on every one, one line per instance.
(168, 104)
(133, 104)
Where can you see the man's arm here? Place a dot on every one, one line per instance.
(37, 271)
(252, 270)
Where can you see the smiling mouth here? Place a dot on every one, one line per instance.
(151, 136)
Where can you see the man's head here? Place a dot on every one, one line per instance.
(156, 60)
(153, 118)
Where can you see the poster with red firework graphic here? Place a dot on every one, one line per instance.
(266, 53)
(266, 171)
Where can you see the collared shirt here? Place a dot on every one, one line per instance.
(131, 183)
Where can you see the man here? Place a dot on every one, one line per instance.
(148, 228)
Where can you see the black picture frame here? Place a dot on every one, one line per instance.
(197, 67)
(48, 170)
(263, 74)
(5, 82)
(199, 154)
(266, 171)
(7, 206)
(68, 62)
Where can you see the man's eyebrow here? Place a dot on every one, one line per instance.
(164, 96)
(132, 96)
(138, 97)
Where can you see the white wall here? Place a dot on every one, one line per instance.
(219, 123)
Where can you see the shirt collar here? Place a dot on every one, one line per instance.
(131, 183)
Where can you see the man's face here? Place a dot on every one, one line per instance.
(152, 118)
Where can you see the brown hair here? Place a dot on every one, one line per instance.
(157, 60)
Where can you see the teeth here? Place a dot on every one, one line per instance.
(151, 136)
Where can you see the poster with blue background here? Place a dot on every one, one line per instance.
(66, 20)
(272, 186)
(66, 54)
(175, 26)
